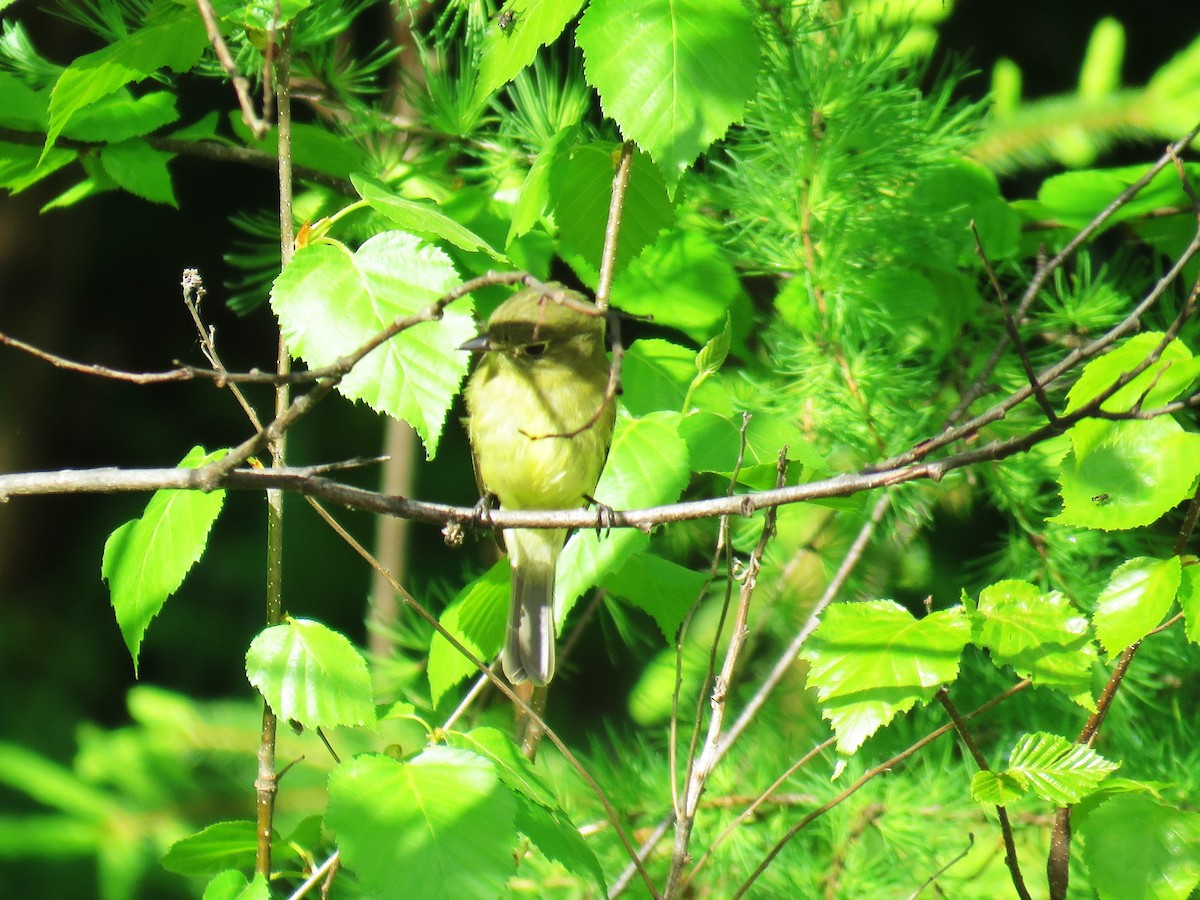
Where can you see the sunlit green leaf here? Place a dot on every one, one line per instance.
(172, 41)
(664, 589)
(1131, 474)
(140, 169)
(224, 845)
(1055, 769)
(330, 301)
(1040, 634)
(438, 826)
(1137, 848)
(1137, 596)
(423, 219)
(673, 74)
(530, 24)
(872, 660)
(146, 559)
(647, 466)
(310, 674)
(476, 617)
(1160, 383)
(233, 885)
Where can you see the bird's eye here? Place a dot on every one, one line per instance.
(535, 350)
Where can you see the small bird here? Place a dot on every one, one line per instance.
(540, 421)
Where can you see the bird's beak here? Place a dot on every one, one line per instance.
(477, 343)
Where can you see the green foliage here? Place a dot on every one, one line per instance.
(330, 301)
(311, 675)
(1055, 769)
(146, 559)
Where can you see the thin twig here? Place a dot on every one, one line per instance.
(241, 85)
(711, 753)
(866, 777)
(1010, 845)
(612, 230)
(959, 857)
(500, 684)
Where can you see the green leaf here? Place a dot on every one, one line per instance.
(1054, 768)
(999, 788)
(1130, 474)
(233, 885)
(146, 559)
(225, 845)
(22, 166)
(1139, 849)
(647, 466)
(664, 589)
(313, 146)
(673, 74)
(559, 840)
(685, 281)
(872, 660)
(1189, 601)
(1133, 603)
(1162, 382)
(505, 52)
(175, 41)
(511, 765)
(581, 190)
(330, 301)
(476, 617)
(438, 826)
(121, 116)
(655, 375)
(714, 443)
(310, 674)
(423, 219)
(1041, 635)
(1075, 198)
(140, 169)
(534, 197)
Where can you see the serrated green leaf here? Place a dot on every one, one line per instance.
(655, 375)
(999, 788)
(685, 281)
(664, 589)
(1138, 594)
(140, 169)
(476, 617)
(1056, 769)
(1139, 849)
(511, 765)
(313, 146)
(1189, 601)
(121, 116)
(175, 41)
(423, 219)
(506, 51)
(1075, 198)
(673, 74)
(714, 443)
(647, 466)
(1160, 383)
(581, 191)
(553, 834)
(233, 885)
(1131, 473)
(330, 301)
(535, 191)
(22, 166)
(870, 661)
(146, 559)
(310, 674)
(439, 826)
(224, 845)
(1041, 635)
(714, 353)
